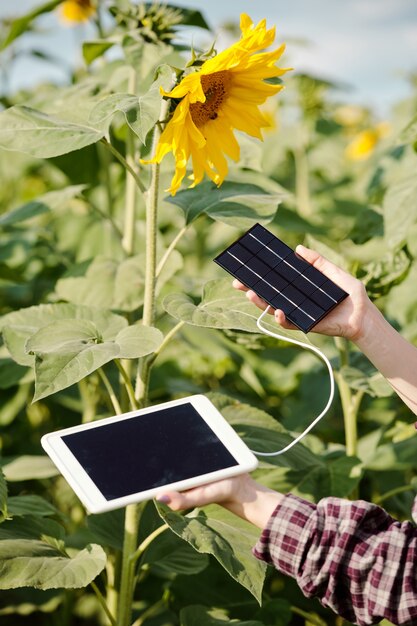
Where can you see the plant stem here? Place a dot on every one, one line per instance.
(125, 164)
(128, 384)
(88, 402)
(350, 401)
(170, 248)
(132, 518)
(311, 619)
(393, 492)
(166, 340)
(132, 157)
(146, 542)
(152, 197)
(103, 603)
(110, 391)
(133, 511)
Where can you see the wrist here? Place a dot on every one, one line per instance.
(253, 502)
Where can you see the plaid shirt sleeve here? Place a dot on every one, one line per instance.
(352, 556)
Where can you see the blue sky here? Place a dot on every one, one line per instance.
(368, 45)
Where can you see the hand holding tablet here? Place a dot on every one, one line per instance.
(136, 456)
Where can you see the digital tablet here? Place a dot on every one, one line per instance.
(132, 457)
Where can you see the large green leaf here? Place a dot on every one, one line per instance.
(69, 350)
(19, 326)
(27, 130)
(30, 563)
(71, 342)
(228, 538)
(235, 203)
(221, 306)
(197, 615)
(22, 24)
(141, 112)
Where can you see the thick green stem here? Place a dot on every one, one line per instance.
(132, 518)
(89, 401)
(132, 158)
(393, 492)
(350, 401)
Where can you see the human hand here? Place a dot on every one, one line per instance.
(346, 320)
(240, 495)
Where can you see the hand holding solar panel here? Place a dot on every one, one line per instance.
(284, 280)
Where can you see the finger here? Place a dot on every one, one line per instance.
(238, 285)
(282, 320)
(177, 500)
(261, 304)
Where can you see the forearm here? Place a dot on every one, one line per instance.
(391, 354)
(352, 556)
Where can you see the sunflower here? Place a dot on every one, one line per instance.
(223, 96)
(77, 11)
(363, 145)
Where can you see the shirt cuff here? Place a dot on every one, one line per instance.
(284, 538)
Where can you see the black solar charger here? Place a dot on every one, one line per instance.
(279, 276)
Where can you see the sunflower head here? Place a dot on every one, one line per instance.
(76, 11)
(152, 22)
(222, 96)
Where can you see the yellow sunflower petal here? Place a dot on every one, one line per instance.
(222, 96)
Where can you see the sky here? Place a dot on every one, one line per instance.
(369, 47)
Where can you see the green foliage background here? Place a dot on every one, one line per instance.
(73, 282)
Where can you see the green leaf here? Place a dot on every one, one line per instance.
(29, 563)
(108, 528)
(221, 306)
(70, 342)
(48, 202)
(26, 130)
(29, 467)
(25, 602)
(96, 48)
(234, 203)
(168, 555)
(28, 321)
(136, 341)
(113, 284)
(197, 615)
(31, 527)
(371, 382)
(400, 210)
(30, 505)
(228, 538)
(141, 113)
(20, 25)
(3, 497)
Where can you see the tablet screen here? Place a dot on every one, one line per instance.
(149, 451)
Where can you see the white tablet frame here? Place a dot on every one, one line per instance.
(91, 496)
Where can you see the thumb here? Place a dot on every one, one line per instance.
(315, 259)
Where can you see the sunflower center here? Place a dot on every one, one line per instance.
(215, 87)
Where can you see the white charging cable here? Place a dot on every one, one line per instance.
(331, 394)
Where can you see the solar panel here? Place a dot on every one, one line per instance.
(279, 276)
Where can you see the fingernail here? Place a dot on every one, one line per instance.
(163, 499)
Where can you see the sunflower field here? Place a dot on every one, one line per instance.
(117, 191)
